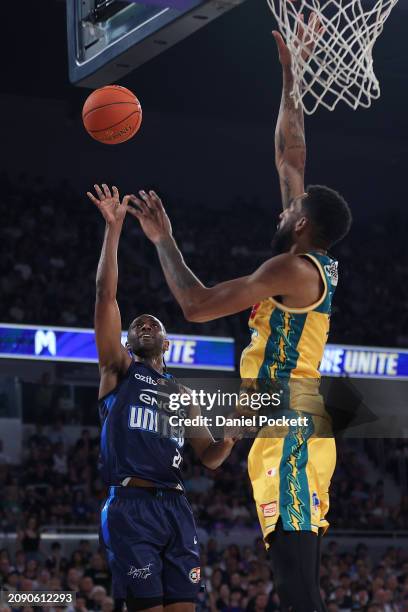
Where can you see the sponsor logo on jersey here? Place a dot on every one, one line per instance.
(146, 398)
(141, 417)
(195, 575)
(315, 501)
(140, 572)
(270, 509)
(148, 379)
(332, 271)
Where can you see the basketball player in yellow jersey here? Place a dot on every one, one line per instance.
(292, 292)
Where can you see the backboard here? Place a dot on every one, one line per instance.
(109, 38)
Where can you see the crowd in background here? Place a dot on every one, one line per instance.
(234, 578)
(53, 282)
(58, 484)
(49, 279)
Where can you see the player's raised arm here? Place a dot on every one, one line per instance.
(290, 143)
(286, 275)
(113, 357)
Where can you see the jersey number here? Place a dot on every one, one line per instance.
(177, 459)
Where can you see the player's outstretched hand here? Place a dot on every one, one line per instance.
(109, 204)
(150, 212)
(305, 36)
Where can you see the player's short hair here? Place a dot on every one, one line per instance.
(329, 213)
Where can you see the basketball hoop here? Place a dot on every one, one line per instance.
(340, 64)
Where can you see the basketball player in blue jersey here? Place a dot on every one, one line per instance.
(147, 526)
(290, 295)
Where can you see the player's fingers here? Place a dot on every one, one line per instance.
(99, 192)
(106, 190)
(134, 212)
(140, 204)
(146, 198)
(278, 39)
(156, 201)
(92, 198)
(301, 29)
(125, 200)
(317, 24)
(135, 199)
(115, 192)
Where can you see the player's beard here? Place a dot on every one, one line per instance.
(146, 350)
(282, 241)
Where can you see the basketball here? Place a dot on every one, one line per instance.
(112, 114)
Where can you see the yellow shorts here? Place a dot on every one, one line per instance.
(291, 475)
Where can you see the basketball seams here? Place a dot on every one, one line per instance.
(109, 104)
(116, 108)
(115, 124)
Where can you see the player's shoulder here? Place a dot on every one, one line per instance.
(297, 264)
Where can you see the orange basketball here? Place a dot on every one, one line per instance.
(112, 114)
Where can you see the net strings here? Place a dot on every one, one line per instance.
(340, 67)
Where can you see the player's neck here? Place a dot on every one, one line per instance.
(156, 363)
(300, 248)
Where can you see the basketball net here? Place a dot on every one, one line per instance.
(340, 65)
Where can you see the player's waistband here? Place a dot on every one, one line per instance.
(138, 492)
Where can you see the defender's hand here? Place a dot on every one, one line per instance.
(112, 210)
(152, 217)
(306, 36)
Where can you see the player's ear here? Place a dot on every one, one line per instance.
(301, 224)
(166, 345)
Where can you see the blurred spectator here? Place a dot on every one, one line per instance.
(98, 572)
(4, 458)
(352, 578)
(45, 273)
(56, 563)
(29, 538)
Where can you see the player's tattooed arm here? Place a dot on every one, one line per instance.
(113, 357)
(285, 275)
(155, 223)
(290, 142)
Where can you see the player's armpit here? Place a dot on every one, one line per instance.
(281, 275)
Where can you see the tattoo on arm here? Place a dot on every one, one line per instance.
(174, 266)
(290, 144)
(182, 282)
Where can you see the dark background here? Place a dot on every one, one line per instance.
(206, 143)
(207, 146)
(210, 105)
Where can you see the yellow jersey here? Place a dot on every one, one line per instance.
(287, 344)
(291, 469)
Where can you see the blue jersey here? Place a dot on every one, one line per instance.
(136, 439)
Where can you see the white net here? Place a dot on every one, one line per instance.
(340, 64)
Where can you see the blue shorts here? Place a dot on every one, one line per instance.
(151, 544)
